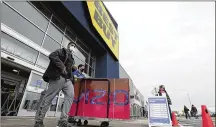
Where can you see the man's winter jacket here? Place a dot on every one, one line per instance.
(61, 62)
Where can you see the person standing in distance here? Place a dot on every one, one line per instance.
(162, 92)
(186, 111)
(59, 77)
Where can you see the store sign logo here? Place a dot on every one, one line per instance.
(104, 25)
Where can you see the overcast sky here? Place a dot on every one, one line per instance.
(170, 43)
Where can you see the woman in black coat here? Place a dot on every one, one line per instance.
(186, 111)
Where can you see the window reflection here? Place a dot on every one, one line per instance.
(31, 101)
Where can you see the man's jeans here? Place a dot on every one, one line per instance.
(55, 86)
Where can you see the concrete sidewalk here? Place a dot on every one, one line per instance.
(52, 121)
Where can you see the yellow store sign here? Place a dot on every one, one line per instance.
(104, 25)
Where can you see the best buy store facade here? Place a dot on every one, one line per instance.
(32, 30)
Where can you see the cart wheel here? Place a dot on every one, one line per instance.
(71, 120)
(86, 122)
(79, 123)
(104, 124)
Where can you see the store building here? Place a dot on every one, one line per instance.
(30, 31)
(136, 97)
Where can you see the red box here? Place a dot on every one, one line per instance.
(94, 102)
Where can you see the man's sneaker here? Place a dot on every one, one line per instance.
(62, 123)
(38, 124)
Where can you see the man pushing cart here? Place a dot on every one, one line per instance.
(59, 77)
(86, 98)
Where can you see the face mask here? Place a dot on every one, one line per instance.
(82, 70)
(72, 49)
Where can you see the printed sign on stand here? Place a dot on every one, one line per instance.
(158, 112)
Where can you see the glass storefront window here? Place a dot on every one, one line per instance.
(54, 39)
(37, 81)
(60, 104)
(31, 101)
(54, 104)
(55, 33)
(83, 47)
(41, 8)
(60, 24)
(17, 48)
(43, 61)
(91, 72)
(65, 41)
(78, 61)
(15, 21)
(92, 63)
(79, 51)
(30, 13)
(81, 55)
(50, 44)
(71, 34)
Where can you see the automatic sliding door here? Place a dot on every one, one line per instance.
(30, 101)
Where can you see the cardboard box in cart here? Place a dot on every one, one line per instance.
(101, 99)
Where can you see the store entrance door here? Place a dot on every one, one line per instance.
(31, 98)
(14, 78)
